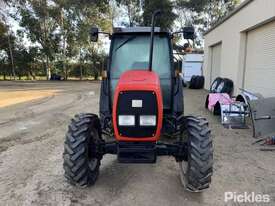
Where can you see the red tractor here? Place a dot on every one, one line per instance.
(141, 100)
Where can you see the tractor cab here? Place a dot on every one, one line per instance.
(130, 51)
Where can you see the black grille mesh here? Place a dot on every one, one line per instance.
(149, 107)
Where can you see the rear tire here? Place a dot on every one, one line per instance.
(81, 156)
(192, 82)
(197, 82)
(200, 82)
(228, 86)
(196, 172)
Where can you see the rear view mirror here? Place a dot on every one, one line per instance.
(189, 32)
(94, 34)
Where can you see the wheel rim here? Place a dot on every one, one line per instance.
(220, 87)
(214, 86)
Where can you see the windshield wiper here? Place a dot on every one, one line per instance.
(126, 41)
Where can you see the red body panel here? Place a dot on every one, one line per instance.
(139, 80)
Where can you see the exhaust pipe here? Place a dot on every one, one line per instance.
(156, 13)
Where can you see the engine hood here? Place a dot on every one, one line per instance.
(142, 83)
(139, 79)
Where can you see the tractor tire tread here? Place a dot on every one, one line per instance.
(200, 157)
(76, 146)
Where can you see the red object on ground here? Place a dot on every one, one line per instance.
(139, 80)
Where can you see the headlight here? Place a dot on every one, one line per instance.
(147, 120)
(126, 120)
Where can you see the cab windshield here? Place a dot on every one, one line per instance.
(131, 52)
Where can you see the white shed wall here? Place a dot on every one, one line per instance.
(233, 35)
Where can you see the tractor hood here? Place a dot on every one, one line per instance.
(138, 93)
(139, 80)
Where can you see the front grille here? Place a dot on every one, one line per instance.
(149, 107)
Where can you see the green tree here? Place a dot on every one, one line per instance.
(139, 12)
(3, 49)
(37, 21)
(202, 13)
(133, 10)
(205, 12)
(166, 20)
(3, 36)
(7, 45)
(61, 27)
(74, 19)
(12, 48)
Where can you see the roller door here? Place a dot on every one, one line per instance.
(215, 62)
(260, 60)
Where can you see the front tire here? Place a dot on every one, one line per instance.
(196, 172)
(81, 156)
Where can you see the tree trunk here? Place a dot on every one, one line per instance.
(66, 73)
(64, 60)
(96, 75)
(33, 75)
(45, 37)
(11, 57)
(81, 74)
(131, 23)
(48, 69)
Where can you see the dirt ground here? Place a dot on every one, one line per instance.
(31, 146)
(14, 97)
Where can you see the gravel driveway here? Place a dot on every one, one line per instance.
(31, 147)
